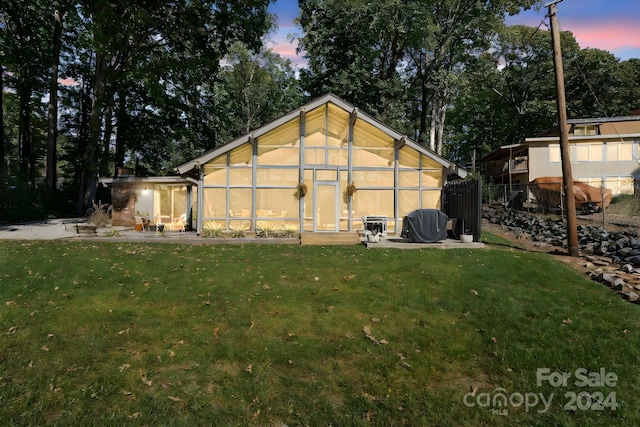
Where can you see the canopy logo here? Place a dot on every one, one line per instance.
(499, 401)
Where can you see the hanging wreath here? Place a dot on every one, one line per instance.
(351, 189)
(301, 190)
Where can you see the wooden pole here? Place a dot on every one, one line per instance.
(567, 176)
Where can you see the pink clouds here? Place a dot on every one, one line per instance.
(287, 49)
(607, 36)
(610, 26)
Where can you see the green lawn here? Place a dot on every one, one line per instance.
(119, 333)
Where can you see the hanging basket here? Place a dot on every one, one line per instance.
(301, 190)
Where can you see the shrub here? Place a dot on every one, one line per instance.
(238, 230)
(265, 228)
(99, 215)
(213, 229)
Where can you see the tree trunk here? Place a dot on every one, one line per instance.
(106, 142)
(432, 128)
(3, 161)
(122, 123)
(27, 158)
(52, 108)
(89, 170)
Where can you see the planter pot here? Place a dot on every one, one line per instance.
(373, 238)
(466, 238)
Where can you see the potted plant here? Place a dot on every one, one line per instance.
(466, 236)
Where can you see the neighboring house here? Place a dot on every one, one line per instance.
(602, 150)
(347, 164)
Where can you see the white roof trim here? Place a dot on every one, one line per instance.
(209, 155)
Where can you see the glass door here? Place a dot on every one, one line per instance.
(326, 206)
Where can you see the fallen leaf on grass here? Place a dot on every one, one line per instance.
(134, 416)
(124, 367)
(12, 330)
(216, 332)
(349, 277)
(175, 399)
(367, 332)
(249, 368)
(45, 348)
(473, 291)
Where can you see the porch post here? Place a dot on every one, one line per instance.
(199, 206)
(352, 120)
(301, 170)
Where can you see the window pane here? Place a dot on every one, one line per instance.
(429, 163)
(371, 146)
(371, 178)
(281, 145)
(338, 126)
(409, 158)
(314, 156)
(277, 177)
(315, 128)
(215, 175)
(409, 201)
(240, 202)
(626, 151)
(595, 152)
(554, 153)
(373, 202)
(327, 175)
(409, 178)
(241, 155)
(432, 179)
(239, 176)
(214, 202)
(276, 203)
(431, 199)
(338, 156)
(582, 153)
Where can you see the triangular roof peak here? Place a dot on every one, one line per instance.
(209, 155)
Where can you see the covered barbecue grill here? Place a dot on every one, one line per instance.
(425, 226)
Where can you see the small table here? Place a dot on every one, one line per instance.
(375, 224)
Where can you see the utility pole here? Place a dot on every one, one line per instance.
(567, 176)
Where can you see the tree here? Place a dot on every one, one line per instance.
(26, 46)
(395, 59)
(52, 108)
(150, 41)
(508, 92)
(594, 85)
(263, 85)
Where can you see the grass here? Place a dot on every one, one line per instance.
(624, 204)
(117, 333)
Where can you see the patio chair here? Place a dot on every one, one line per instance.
(177, 224)
(140, 224)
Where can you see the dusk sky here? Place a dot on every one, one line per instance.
(611, 25)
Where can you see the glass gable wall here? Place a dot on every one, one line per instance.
(330, 152)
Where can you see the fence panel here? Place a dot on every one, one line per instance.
(463, 200)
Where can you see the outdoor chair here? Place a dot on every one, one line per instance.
(177, 224)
